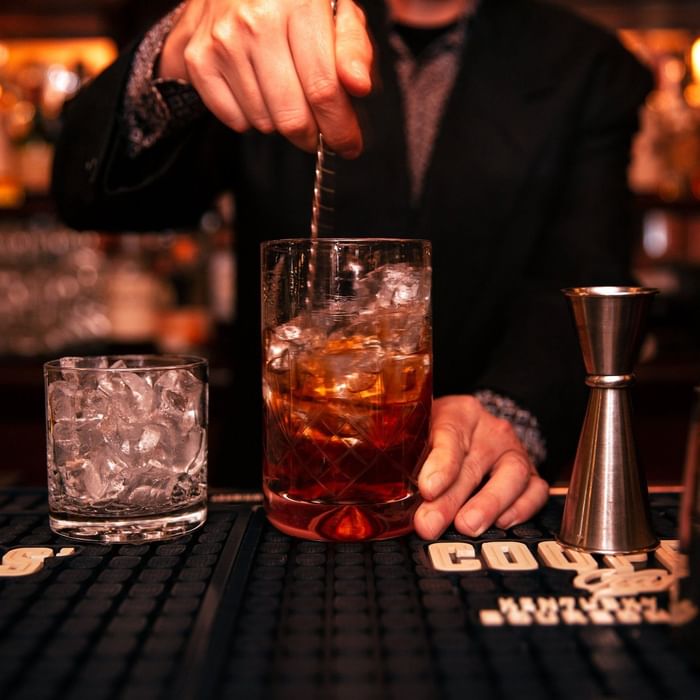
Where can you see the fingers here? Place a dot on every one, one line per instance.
(441, 467)
(477, 472)
(220, 102)
(530, 502)
(275, 76)
(432, 517)
(508, 482)
(217, 66)
(232, 95)
(453, 421)
(332, 111)
(513, 493)
(276, 65)
(445, 480)
(353, 49)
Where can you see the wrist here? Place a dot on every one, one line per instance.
(156, 106)
(524, 423)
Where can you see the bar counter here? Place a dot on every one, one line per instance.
(238, 609)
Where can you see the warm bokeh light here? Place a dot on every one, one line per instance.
(673, 70)
(648, 44)
(695, 60)
(692, 97)
(692, 94)
(93, 53)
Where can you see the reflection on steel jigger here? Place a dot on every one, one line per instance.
(607, 506)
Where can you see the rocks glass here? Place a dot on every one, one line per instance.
(126, 446)
(347, 384)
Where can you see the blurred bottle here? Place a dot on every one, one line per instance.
(41, 89)
(222, 262)
(222, 276)
(676, 126)
(11, 191)
(134, 294)
(185, 323)
(35, 155)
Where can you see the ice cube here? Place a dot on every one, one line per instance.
(136, 441)
(178, 450)
(178, 396)
(110, 383)
(151, 487)
(277, 350)
(361, 381)
(290, 332)
(346, 367)
(129, 394)
(63, 400)
(91, 437)
(364, 368)
(126, 435)
(139, 392)
(149, 438)
(363, 325)
(186, 450)
(68, 371)
(102, 475)
(187, 488)
(285, 340)
(401, 284)
(70, 474)
(94, 485)
(410, 334)
(65, 443)
(94, 405)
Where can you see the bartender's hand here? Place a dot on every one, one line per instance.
(275, 65)
(477, 473)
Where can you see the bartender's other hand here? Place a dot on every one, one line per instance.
(276, 65)
(476, 474)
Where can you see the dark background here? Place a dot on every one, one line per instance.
(661, 398)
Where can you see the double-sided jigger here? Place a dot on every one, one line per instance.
(607, 505)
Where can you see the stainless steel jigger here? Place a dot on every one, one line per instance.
(607, 506)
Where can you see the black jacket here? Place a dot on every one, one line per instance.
(526, 193)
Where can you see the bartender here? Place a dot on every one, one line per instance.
(500, 130)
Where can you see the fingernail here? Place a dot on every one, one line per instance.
(434, 522)
(473, 521)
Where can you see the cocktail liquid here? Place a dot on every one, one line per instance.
(346, 432)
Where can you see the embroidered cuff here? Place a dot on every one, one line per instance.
(524, 423)
(153, 108)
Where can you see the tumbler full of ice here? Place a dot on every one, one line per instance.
(347, 384)
(126, 446)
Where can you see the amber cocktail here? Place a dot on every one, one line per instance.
(347, 384)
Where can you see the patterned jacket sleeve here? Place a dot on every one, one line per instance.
(153, 107)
